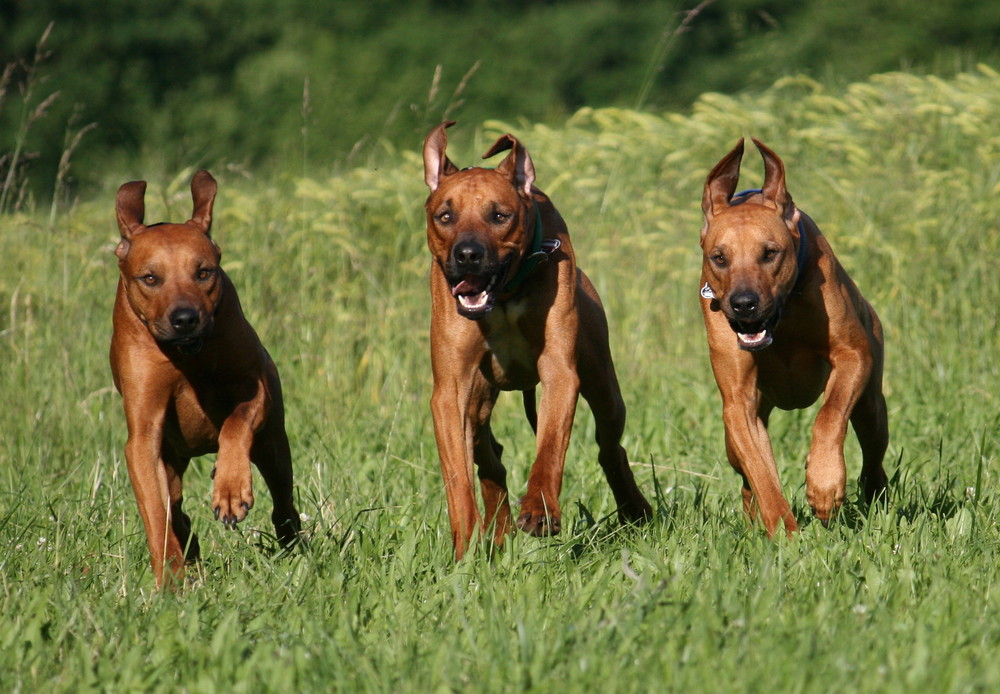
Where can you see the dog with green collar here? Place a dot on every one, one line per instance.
(510, 310)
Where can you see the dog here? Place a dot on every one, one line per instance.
(785, 323)
(194, 379)
(509, 310)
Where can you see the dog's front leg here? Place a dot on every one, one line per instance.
(826, 472)
(749, 449)
(453, 432)
(232, 493)
(147, 472)
(540, 514)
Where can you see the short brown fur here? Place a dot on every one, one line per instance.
(487, 336)
(194, 379)
(780, 335)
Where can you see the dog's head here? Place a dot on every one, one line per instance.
(170, 272)
(750, 247)
(479, 221)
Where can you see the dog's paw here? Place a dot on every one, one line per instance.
(231, 500)
(287, 527)
(875, 487)
(636, 512)
(539, 524)
(825, 500)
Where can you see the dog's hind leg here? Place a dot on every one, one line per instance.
(871, 425)
(530, 409)
(609, 417)
(180, 523)
(272, 456)
(487, 452)
(599, 387)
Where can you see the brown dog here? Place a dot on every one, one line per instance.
(785, 323)
(511, 310)
(194, 379)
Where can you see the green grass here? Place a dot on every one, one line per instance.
(901, 172)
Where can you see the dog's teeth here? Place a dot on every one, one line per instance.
(753, 338)
(474, 301)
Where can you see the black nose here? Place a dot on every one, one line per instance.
(184, 320)
(744, 304)
(468, 255)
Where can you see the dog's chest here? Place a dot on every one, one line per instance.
(189, 426)
(510, 352)
(201, 406)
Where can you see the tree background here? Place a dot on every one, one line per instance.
(301, 85)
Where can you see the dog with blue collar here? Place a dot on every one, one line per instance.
(785, 325)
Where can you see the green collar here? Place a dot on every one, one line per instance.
(540, 250)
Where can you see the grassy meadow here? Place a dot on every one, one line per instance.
(901, 172)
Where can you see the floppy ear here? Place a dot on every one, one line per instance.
(774, 190)
(130, 208)
(517, 166)
(203, 190)
(436, 162)
(721, 183)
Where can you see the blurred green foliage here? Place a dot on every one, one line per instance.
(301, 84)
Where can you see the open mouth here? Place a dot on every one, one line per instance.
(474, 295)
(756, 336)
(187, 345)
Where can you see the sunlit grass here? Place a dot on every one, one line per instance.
(902, 173)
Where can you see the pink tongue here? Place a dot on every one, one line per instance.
(468, 286)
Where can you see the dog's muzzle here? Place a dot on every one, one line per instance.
(186, 330)
(753, 326)
(474, 275)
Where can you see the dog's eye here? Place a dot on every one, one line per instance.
(205, 273)
(444, 218)
(150, 280)
(499, 217)
(719, 259)
(770, 254)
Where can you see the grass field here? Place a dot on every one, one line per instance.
(903, 175)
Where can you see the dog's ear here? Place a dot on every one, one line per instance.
(517, 166)
(130, 208)
(203, 190)
(774, 190)
(721, 183)
(436, 162)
